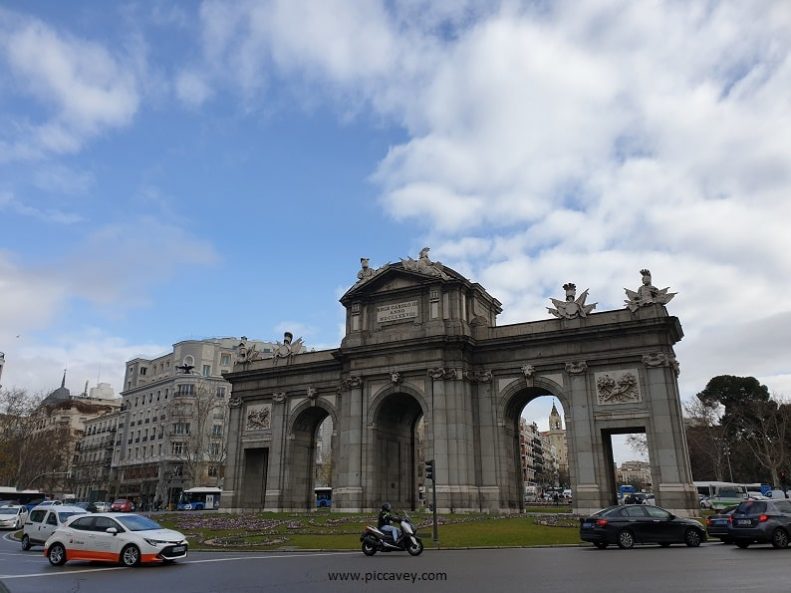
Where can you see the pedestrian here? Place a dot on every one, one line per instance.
(556, 498)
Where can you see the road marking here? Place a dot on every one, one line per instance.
(69, 572)
(267, 557)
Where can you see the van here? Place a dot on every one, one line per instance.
(44, 520)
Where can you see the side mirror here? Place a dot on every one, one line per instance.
(672, 516)
(112, 530)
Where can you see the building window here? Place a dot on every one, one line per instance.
(221, 391)
(206, 370)
(214, 449)
(225, 359)
(213, 471)
(143, 371)
(186, 389)
(216, 430)
(181, 428)
(177, 448)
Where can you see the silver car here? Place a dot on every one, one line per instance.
(12, 516)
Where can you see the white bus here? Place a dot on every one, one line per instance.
(199, 499)
(718, 495)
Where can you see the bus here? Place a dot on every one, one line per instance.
(199, 498)
(719, 495)
(26, 497)
(323, 496)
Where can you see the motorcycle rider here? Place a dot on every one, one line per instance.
(385, 517)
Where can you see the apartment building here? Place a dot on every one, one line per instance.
(171, 431)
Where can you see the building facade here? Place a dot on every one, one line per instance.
(172, 426)
(53, 458)
(93, 472)
(556, 436)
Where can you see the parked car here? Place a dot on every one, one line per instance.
(115, 537)
(761, 521)
(102, 506)
(644, 498)
(122, 505)
(627, 525)
(12, 516)
(717, 525)
(44, 520)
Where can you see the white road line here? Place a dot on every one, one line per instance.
(69, 572)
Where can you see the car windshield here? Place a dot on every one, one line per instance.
(65, 515)
(8, 511)
(138, 523)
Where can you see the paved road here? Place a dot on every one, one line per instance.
(712, 567)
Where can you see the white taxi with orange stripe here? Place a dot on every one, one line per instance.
(115, 537)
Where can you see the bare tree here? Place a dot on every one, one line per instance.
(18, 422)
(766, 429)
(707, 437)
(199, 421)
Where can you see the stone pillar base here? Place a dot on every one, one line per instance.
(348, 499)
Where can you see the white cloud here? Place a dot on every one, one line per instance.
(569, 142)
(83, 87)
(89, 355)
(10, 203)
(192, 89)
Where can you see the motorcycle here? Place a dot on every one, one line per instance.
(373, 540)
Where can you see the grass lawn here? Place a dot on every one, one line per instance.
(341, 531)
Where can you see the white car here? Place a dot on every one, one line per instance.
(115, 537)
(44, 520)
(12, 516)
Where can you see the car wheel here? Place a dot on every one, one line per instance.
(57, 555)
(743, 545)
(727, 541)
(26, 545)
(780, 538)
(369, 548)
(625, 539)
(130, 556)
(692, 538)
(600, 545)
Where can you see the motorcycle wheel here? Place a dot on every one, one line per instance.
(415, 549)
(368, 547)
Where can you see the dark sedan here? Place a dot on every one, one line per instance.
(630, 524)
(761, 521)
(717, 525)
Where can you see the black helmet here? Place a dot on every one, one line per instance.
(387, 507)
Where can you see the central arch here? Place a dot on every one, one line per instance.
(395, 450)
(512, 403)
(304, 426)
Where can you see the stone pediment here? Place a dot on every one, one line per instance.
(394, 277)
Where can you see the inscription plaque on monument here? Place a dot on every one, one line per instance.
(396, 311)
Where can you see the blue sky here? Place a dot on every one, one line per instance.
(187, 170)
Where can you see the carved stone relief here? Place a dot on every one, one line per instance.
(661, 359)
(576, 367)
(440, 373)
(259, 417)
(618, 387)
(484, 376)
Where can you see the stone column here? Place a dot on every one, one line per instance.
(276, 472)
(348, 495)
(229, 499)
(668, 451)
(585, 449)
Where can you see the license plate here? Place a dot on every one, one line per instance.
(744, 522)
(587, 525)
(719, 522)
(177, 549)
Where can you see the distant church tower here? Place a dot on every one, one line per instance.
(557, 436)
(554, 419)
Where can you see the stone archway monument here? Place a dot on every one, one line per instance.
(422, 348)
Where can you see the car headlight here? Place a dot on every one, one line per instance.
(156, 542)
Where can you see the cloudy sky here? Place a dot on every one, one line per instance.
(187, 170)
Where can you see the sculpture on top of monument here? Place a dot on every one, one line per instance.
(572, 307)
(366, 272)
(647, 294)
(424, 265)
(287, 349)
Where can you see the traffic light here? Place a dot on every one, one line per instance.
(430, 470)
